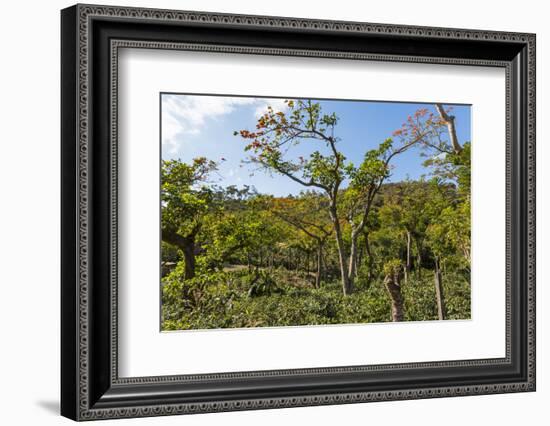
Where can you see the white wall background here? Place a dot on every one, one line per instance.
(29, 213)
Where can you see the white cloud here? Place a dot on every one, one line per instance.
(183, 114)
(276, 104)
(188, 114)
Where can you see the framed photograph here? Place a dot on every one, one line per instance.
(263, 212)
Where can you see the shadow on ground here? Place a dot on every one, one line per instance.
(51, 406)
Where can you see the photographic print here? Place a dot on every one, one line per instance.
(315, 212)
(300, 212)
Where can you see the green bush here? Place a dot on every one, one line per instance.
(277, 298)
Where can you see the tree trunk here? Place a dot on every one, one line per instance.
(450, 122)
(352, 259)
(391, 281)
(189, 257)
(418, 265)
(319, 266)
(369, 259)
(408, 263)
(326, 262)
(186, 245)
(346, 285)
(439, 291)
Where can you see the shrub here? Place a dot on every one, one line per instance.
(264, 298)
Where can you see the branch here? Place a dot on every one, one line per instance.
(405, 147)
(309, 183)
(320, 228)
(297, 225)
(450, 121)
(370, 197)
(171, 236)
(438, 148)
(373, 190)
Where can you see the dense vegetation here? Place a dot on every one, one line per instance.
(351, 247)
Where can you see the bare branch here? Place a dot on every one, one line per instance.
(450, 122)
(310, 183)
(302, 227)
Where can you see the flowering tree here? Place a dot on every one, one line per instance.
(325, 169)
(448, 232)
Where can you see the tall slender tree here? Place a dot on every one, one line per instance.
(325, 169)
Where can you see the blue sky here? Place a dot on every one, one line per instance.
(203, 125)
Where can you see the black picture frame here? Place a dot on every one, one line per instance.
(90, 386)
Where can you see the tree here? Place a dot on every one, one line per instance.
(250, 259)
(240, 231)
(184, 201)
(307, 213)
(325, 169)
(449, 229)
(437, 131)
(406, 208)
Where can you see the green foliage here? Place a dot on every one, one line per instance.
(262, 283)
(392, 266)
(170, 253)
(420, 301)
(185, 198)
(449, 235)
(248, 260)
(223, 300)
